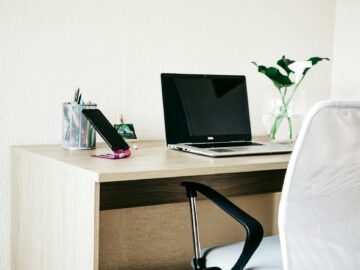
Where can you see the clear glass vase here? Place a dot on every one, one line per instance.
(282, 120)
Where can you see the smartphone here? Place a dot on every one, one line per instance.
(105, 129)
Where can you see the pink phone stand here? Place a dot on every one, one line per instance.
(118, 154)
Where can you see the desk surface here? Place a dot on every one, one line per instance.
(152, 160)
(62, 198)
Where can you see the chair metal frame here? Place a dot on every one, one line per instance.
(254, 229)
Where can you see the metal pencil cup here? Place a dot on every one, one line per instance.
(77, 131)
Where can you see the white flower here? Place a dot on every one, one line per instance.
(298, 68)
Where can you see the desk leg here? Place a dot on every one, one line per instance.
(55, 216)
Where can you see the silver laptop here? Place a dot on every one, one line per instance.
(209, 115)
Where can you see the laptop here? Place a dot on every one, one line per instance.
(209, 115)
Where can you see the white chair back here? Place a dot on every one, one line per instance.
(319, 217)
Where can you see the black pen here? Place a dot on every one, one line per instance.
(77, 91)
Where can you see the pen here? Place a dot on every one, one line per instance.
(76, 94)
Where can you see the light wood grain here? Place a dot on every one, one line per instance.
(152, 160)
(159, 237)
(55, 217)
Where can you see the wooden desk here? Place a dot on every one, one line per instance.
(58, 194)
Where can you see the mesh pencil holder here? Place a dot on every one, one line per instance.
(77, 132)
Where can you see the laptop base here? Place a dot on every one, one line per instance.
(253, 148)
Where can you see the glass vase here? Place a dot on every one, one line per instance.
(282, 120)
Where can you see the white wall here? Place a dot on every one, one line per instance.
(115, 51)
(346, 71)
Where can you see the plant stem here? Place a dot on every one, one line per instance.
(280, 116)
(283, 113)
(295, 89)
(290, 128)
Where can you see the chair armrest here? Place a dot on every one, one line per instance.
(254, 230)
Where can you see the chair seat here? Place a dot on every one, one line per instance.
(266, 257)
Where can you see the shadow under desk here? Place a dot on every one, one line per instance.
(73, 211)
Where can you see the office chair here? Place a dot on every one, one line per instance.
(319, 214)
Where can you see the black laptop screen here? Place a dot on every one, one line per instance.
(200, 108)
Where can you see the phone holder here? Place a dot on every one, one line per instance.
(118, 154)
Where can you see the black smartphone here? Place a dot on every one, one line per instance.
(105, 129)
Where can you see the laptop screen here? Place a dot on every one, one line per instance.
(203, 108)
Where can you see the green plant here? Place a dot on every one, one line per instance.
(287, 81)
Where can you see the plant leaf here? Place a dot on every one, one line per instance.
(284, 63)
(280, 80)
(314, 61)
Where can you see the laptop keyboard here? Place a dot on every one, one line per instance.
(222, 144)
